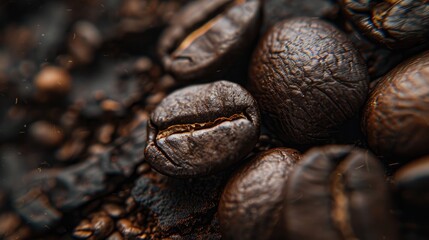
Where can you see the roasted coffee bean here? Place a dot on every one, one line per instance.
(208, 36)
(46, 133)
(395, 24)
(338, 192)
(53, 81)
(308, 79)
(396, 115)
(412, 185)
(251, 204)
(202, 129)
(127, 228)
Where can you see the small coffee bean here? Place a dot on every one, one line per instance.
(113, 210)
(338, 192)
(395, 24)
(251, 204)
(127, 228)
(308, 79)
(396, 115)
(115, 236)
(46, 133)
(102, 225)
(84, 230)
(202, 129)
(53, 81)
(207, 36)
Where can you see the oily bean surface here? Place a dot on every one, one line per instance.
(396, 115)
(202, 129)
(308, 79)
(251, 204)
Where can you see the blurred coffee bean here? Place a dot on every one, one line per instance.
(338, 192)
(84, 230)
(84, 39)
(308, 79)
(396, 114)
(46, 133)
(9, 222)
(252, 202)
(395, 24)
(412, 186)
(202, 129)
(412, 195)
(52, 80)
(113, 210)
(127, 229)
(206, 37)
(115, 236)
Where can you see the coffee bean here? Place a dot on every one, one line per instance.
(127, 228)
(412, 185)
(396, 114)
(252, 202)
(46, 133)
(53, 80)
(102, 225)
(202, 129)
(308, 79)
(338, 192)
(395, 24)
(114, 210)
(208, 36)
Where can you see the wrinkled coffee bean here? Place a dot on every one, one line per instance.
(338, 192)
(252, 202)
(395, 24)
(208, 36)
(396, 115)
(308, 79)
(202, 129)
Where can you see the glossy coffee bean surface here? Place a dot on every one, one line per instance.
(252, 202)
(396, 114)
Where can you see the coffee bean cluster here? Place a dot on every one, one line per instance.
(214, 119)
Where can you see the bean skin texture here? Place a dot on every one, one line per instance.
(308, 79)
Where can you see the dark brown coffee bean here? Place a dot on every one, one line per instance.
(252, 202)
(46, 133)
(202, 129)
(308, 79)
(115, 236)
(338, 192)
(53, 81)
(113, 210)
(207, 36)
(396, 115)
(395, 24)
(102, 225)
(127, 229)
(412, 185)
